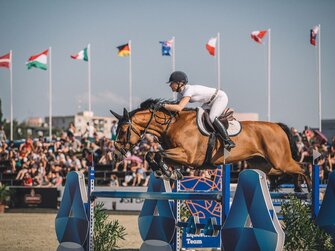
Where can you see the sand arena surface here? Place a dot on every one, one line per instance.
(36, 232)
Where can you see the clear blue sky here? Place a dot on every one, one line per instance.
(30, 26)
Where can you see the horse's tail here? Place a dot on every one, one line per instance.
(293, 146)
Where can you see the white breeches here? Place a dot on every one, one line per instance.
(218, 105)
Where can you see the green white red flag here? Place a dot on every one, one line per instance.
(39, 61)
(82, 55)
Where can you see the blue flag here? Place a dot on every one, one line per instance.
(166, 47)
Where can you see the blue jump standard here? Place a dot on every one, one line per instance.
(158, 195)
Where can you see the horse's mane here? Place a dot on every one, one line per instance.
(150, 102)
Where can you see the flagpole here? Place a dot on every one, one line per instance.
(269, 75)
(174, 94)
(50, 97)
(11, 93)
(130, 78)
(219, 63)
(89, 77)
(173, 54)
(319, 78)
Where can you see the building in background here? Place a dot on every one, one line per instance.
(102, 125)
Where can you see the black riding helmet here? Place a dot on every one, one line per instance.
(178, 76)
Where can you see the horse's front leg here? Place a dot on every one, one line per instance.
(157, 164)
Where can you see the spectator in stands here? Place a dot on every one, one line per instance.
(89, 132)
(2, 134)
(55, 179)
(113, 130)
(27, 180)
(140, 177)
(71, 131)
(114, 181)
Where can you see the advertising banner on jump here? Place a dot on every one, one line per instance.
(209, 181)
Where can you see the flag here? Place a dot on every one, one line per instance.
(39, 61)
(124, 50)
(166, 47)
(314, 33)
(82, 55)
(258, 35)
(210, 46)
(5, 60)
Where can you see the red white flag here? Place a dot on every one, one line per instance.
(5, 61)
(211, 45)
(258, 35)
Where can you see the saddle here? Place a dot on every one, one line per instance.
(226, 118)
(206, 128)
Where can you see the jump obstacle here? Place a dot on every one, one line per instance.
(251, 222)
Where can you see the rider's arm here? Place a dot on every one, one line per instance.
(177, 107)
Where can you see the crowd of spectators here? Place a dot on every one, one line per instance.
(40, 162)
(309, 140)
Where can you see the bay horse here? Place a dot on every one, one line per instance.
(264, 145)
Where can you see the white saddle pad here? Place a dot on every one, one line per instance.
(234, 127)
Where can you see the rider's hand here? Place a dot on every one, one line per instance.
(158, 105)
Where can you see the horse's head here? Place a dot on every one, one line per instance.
(133, 126)
(128, 134)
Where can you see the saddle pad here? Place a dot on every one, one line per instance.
(234, 127)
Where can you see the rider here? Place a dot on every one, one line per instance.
(214, 99)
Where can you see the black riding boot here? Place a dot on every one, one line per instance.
(223, 133)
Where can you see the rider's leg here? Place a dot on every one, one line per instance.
(217, 108)
(223, 133)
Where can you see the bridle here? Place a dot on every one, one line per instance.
(167, 119)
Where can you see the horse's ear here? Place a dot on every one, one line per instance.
(125, 114)
(118, 116)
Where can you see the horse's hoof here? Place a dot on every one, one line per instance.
(179, 175)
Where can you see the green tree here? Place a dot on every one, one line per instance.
(300, 231)
(106, 233)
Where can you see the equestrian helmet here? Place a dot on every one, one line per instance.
(178, 76)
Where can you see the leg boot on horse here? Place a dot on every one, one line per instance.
(149, 157)
(222, 131)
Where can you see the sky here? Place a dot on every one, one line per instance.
(29, 27)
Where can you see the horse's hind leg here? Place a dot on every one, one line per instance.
(288, 165)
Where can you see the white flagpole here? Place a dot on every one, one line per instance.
(174, 94)
(218, 58)
(50, 97)
(173, 54)
(130, 78)
(269, 75)
(89, 77)
(319, 78)
(11, 93)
